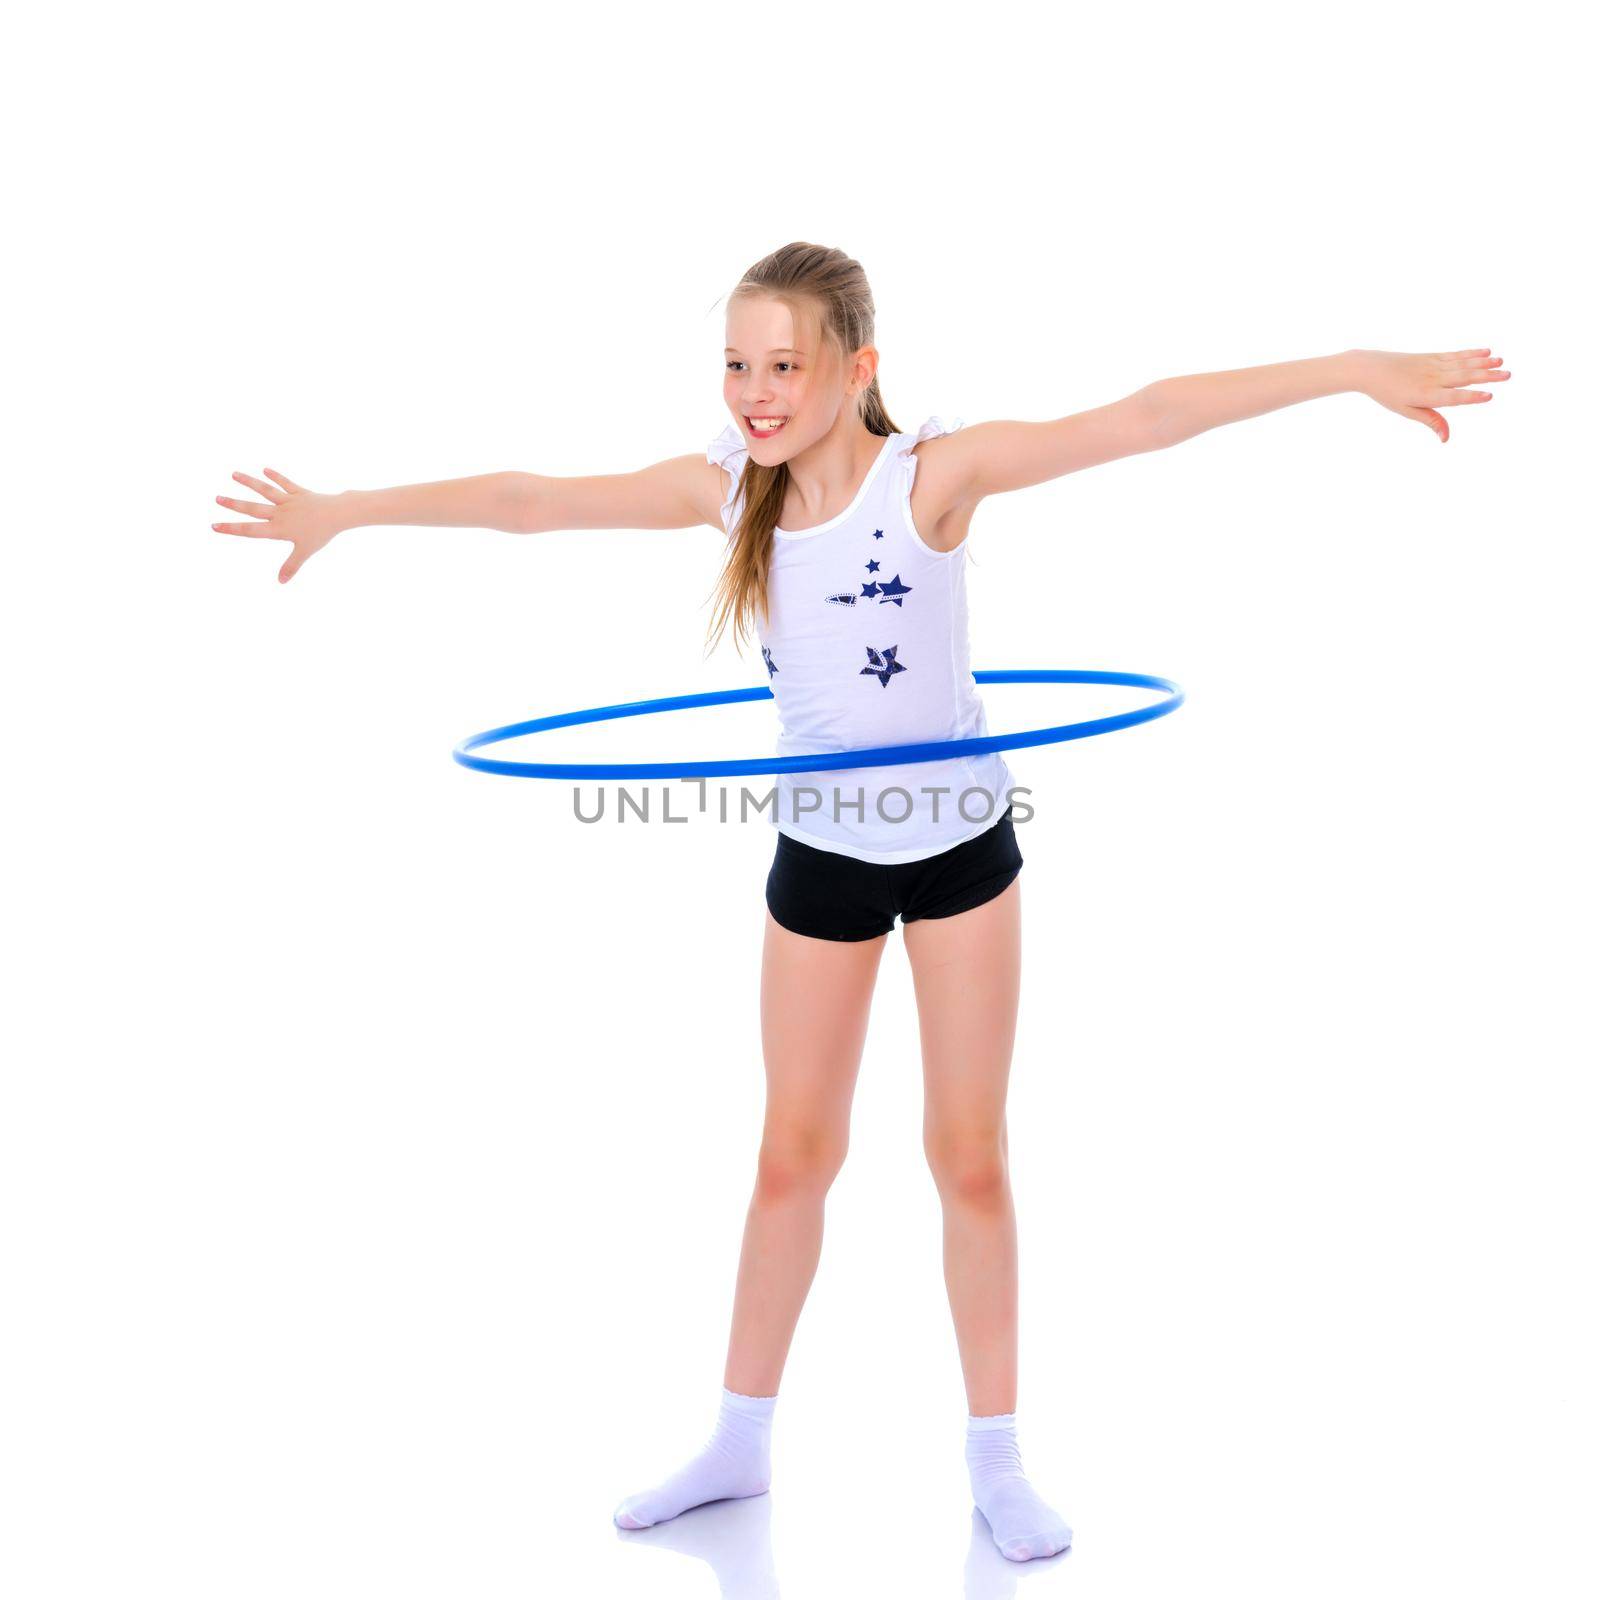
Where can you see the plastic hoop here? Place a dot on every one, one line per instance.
(891, 755)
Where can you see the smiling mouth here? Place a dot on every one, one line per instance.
(765, 427)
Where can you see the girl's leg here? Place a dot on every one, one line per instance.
(815, 998)
(967, 973)
(967, 970)
(816, 995)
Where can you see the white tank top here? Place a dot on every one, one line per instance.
(866, 645)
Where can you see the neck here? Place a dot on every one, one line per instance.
(824, 476)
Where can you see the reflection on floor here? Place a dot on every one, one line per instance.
(734, 1538)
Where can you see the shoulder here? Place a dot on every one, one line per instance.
(935, 468)
(729, 452)
(920, 446)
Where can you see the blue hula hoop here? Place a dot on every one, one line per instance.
(890, 755)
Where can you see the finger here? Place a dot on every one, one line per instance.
(265, 490)
(254, 507)
(1461, 397)
(250, 530)
(1433, 420)
(291, 566)
(288, 483)
(1452, 376)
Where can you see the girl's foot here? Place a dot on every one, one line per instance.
(735, 1463)
(1023, 1525)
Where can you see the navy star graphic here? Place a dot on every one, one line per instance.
(766, 656)
(878, 534)
(868, 590)
(883, 665)
(893, 590)
(872, 566)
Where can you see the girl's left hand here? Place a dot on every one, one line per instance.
(1411, 386)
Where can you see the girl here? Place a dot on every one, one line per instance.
(846, 548)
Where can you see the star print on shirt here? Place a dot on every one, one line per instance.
(893, 590)
(883, 665)
(766, 655)
(868, 590)
(872, 566)
(878, 534)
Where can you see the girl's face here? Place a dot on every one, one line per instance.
(767, 380)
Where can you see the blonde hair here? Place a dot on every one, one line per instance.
(814, 282)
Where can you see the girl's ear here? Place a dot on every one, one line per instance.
(869, 365)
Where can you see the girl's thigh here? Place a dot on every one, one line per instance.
(967, 973)
(816, 995)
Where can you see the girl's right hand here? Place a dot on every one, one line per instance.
(308, 520)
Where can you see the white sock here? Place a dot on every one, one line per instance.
(736, 1462)
(1022, 1524)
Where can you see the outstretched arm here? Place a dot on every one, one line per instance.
(1411, 385)
(677, 493)
(996, 457)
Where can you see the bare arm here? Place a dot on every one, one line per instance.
(680, 492)
(996, 457)
(1409, 385)
(1178, 408)
(676, 493)
(489, 501)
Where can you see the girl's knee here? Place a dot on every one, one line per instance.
(968, 1165)
(798, 1161)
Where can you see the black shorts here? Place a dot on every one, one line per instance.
(827, 895)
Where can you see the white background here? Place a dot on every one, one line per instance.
(376, 1138)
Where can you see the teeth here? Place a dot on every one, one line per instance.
(767, 424)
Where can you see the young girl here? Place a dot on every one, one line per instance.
(846, 548)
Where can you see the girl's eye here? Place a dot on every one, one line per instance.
(732, 364)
